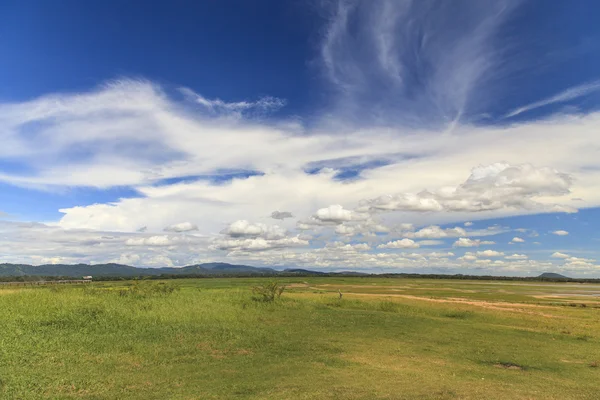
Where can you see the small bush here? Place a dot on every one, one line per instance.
(268, 292)
(458, 314)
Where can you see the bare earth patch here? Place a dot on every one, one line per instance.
(509, 366)
(515, 307)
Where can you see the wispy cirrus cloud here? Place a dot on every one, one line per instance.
(410, 62)
(218, 106)
(562, 97)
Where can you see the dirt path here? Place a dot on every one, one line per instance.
(513, 307)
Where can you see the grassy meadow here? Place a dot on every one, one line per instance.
(385, 339)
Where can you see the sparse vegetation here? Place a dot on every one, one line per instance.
(147, 289)
(386, 339)
(268, 292)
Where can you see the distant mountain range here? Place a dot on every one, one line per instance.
(78, 270)
(209, 269)
(553, 275)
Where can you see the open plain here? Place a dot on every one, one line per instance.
(383, 339)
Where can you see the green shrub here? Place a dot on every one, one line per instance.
(458, 314)
(268, 292)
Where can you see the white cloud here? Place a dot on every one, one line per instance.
(430, 242)
(243, 236)
(517, 239)
(181, 227)
(467, 224)
(243, 228)
(128, 259)
(38, 244)
(568, 94)
(468, 257)
(489, 253)
(560, 233)
(174, 149)
(517, 257)
(466, 242)
(258, 243)
(336, 214)
(370, 48)
(399, 244)
(346, 230)
(581, 264)
(492, 187)
(441, 255)
(339, 246)
(435, 232)
(150, 241)
(558, 254)
(264, 104)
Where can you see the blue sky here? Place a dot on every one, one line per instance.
(167, 133)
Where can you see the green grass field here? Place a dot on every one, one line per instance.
(385, 339)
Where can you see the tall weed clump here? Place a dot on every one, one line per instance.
(268, 292)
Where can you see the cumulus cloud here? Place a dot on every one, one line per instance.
(581, 264)
(468, 257)
(517, 240)
(435, 232)
(560, 233)
(181, 227)
(244, 228)
(491, 187)
(441, 255)
(241, 236)
(558, 254)
(467, 224)
(348, 247)
(258, 243)
(281, 215)
(336, 214)
(346, 230)
(466, 242)
(489, 253)
(39, 243)
(399, 244)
